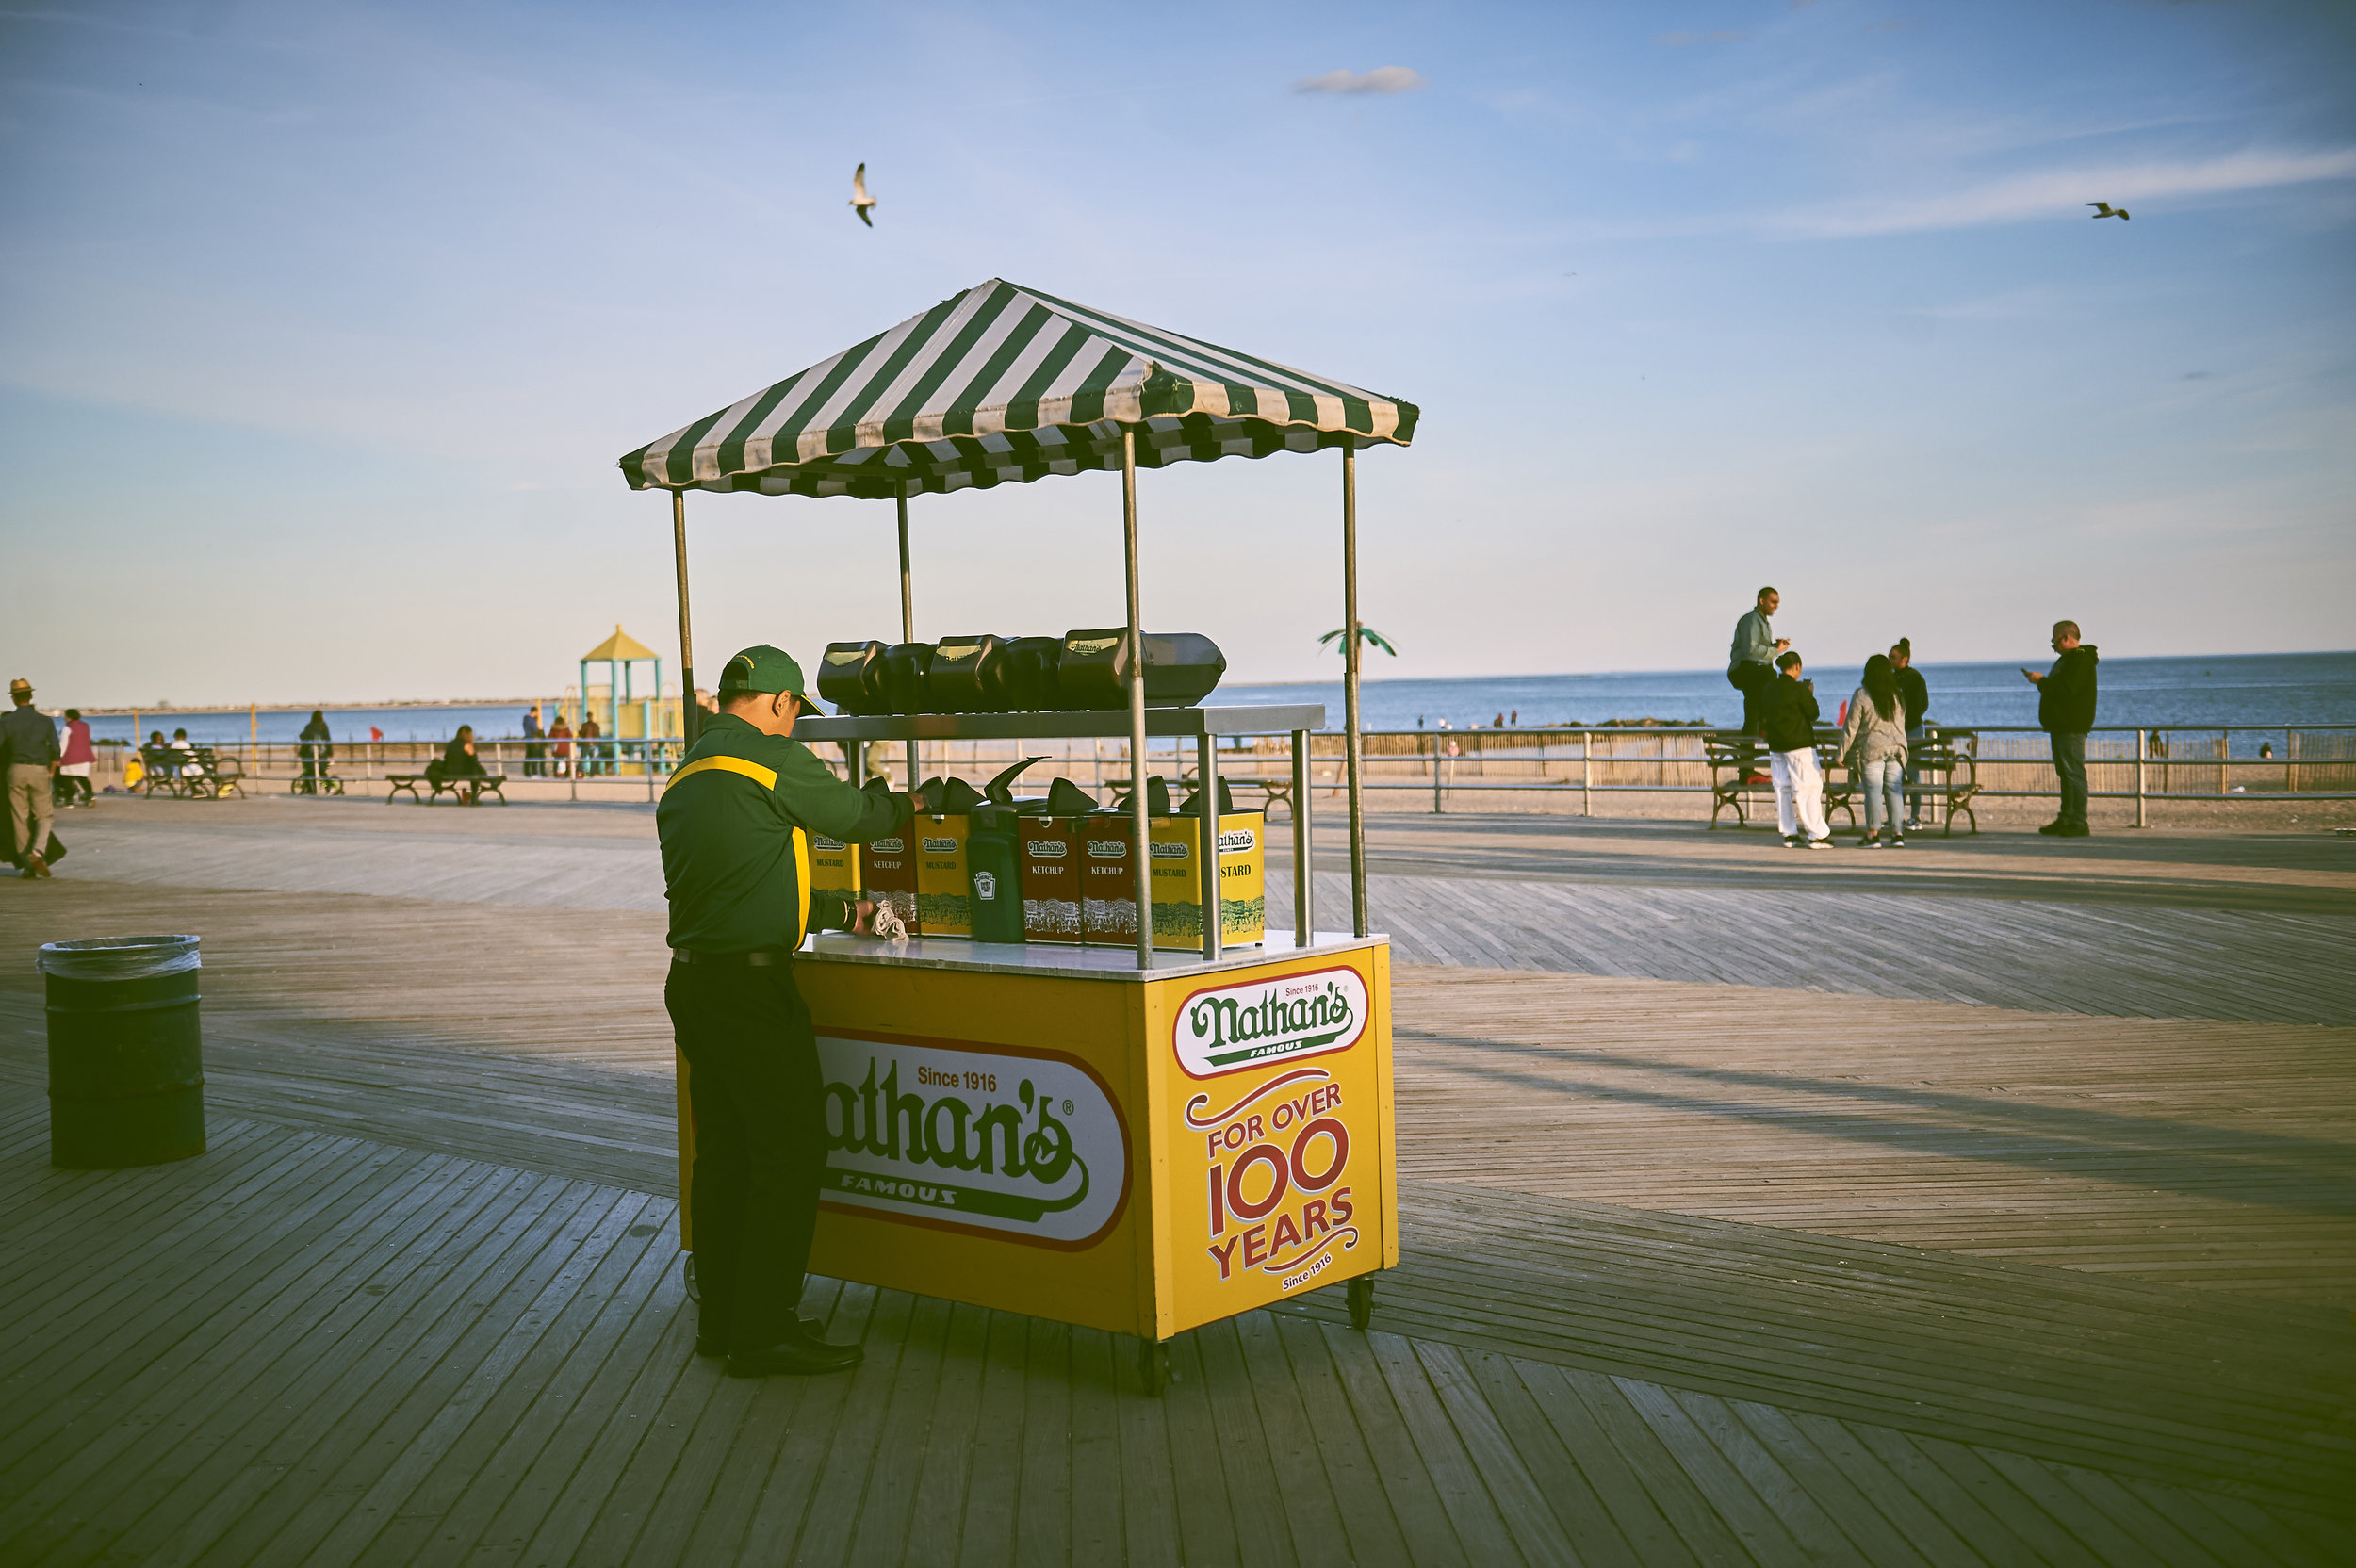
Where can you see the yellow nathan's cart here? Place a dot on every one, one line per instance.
(1138, 1141)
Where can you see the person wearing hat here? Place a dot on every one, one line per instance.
(735, 824)
(30, 741)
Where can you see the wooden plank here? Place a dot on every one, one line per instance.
(1308, 1500)
(1098, 1529)
(1208, 1528)
(1043, 1519)
(1521, 1499)
(991, 1488)
(906, 1480)
(1472, 1512)
(1368, 1519)
(467, 1476)
(436, 1407)
(800, 1447)
(1414, 1492)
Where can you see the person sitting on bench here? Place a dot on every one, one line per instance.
(458, 760)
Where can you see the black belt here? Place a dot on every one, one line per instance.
(765, 958)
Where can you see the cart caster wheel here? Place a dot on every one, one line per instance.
(1361, 1302)
(687, 1272)
(1154, 1365)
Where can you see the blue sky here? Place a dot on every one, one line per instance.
(321, 325)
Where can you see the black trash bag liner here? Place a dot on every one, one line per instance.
(1193, 807)
(851, 675)
(905, 667)
(948, 797)
(1031, 664)
(1181, 668)
(1000, 787)
(1064, 799)
(968, 675)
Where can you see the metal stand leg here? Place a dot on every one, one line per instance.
(1304, 875)
(1154, 1365)
(1361, 1302)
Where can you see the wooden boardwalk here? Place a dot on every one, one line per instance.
(1707, 1273)
(2167, 926)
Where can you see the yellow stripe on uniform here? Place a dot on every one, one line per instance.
(765, 777)
(801, 876)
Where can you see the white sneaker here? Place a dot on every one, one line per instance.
(1819, 843)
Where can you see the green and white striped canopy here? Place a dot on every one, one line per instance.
(1003, 384)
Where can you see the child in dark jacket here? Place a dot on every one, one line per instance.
(1789, 728)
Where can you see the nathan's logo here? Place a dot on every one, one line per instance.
(1020, 1146)
(1048, 849)
(1237, 840)
(887, 846)
(1166, 850)
(939, 847)
(1239, 1026)
(1109, 849)
(1091, 644)
(819, 840)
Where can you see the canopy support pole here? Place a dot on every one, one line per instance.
(1141, 843)
(1352, 739)
(907, 614)
(689, 710)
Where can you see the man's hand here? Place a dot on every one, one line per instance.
(2034, 678)
(863, 917)
(1783, 645)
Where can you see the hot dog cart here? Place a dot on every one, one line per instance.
(1137, 1139)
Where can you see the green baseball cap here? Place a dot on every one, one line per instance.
(763, 669)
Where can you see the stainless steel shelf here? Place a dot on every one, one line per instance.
(1160, 724)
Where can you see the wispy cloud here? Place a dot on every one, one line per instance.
(1381, 79)
(2053, 193)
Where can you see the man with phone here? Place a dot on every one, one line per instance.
(2065, 710)
(1750, 663)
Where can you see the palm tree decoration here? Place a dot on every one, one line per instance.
(1366, 633)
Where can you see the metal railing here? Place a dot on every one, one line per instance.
(2284, 762)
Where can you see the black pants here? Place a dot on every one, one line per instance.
(1754, 680)
(758, 1101)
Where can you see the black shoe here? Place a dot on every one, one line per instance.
(2056, 826)
(1899, 842)
(2072, 830)
(796, 1357)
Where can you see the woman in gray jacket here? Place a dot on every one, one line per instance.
(1874, 743)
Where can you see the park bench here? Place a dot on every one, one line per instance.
(1946, 773)
(197, 774)
(1736, 759)
(457, 786)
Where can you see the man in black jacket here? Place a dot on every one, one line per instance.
(1787, 724)
(2065, 710)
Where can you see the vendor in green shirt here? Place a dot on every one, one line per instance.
(735, 824)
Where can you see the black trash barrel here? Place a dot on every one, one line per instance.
(126, 1058)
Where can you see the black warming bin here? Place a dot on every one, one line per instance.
(851, 675)
(1181, 668)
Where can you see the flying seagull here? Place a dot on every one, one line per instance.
(2106, 210)
(1366, 633)
(860, 201)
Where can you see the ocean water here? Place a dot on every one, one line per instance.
(2278, 690)
(2286, 689)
